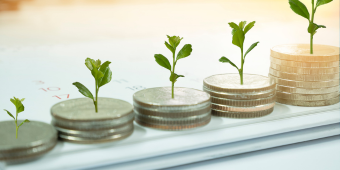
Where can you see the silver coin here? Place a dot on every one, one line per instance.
(243, 103)
(33, 138)
(80, 113)
(298, 90)
(305, 84)
(241, 115)
(241, 109)
(240, 96)
(230, 83)
(82, 140)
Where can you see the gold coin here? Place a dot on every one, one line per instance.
(243, 103)
(301, 52)
(240, 96)
(304, 64)
(323, 90)
(241, 115)
(306, 97)
(241, 109)
(303, 77)
(309, 103)
(305, 84)
(230, 83)
(308, 71)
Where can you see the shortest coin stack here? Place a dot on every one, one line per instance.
(156, 108)
(77, 121)
(255, 98)
(34, 139)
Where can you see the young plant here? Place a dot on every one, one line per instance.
(19, 108)
(300, 9)
(164, 62)
(102, 75)
(239, 32)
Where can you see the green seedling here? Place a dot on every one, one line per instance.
(164, 62)
(300, 9)
(19, 108)
(239, 32)
(102, 75)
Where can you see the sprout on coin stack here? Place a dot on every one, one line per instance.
(35, 139)
(306, 74)
(172, 108)
(242, 95)
(93, 119)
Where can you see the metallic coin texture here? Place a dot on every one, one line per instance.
(243, 103)
(305, 84)
(301, 52)
(307, 71)
(304, 64)
(82, 140)
(240, 96)
(306, 97)
(34, 139)
(241, 115)
(241, 109)
(309, 103)
(303, 77)
(299, 90)
(230, 83)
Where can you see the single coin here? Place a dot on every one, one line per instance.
(305, 84)
(301, 52)
(243, 103)
(230, 83)
(307, 71)
(303, 77)
(309, 103)
(240, 96)
(304, 64)
(307, 90)
(82, 140)
(33, 137)
(306, 97)
(80, 113)
(241, 109)
(241, 115)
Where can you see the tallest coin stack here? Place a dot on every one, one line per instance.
(305, 79)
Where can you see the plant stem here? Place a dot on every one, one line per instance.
(312, 33)
(96, 102)
(172, 74)
(241, 70)
(16, 129)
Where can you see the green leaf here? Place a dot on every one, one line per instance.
(322, 2)
(250, 48)
(88, 63)
(104, 66)
(233, 25)
(163, 61)
(174, 40)
(248, 27)
(97, 74)
(174, 77)
(226, 60)
(238, 38)
(21, 108)
(299, 8)
(9, 113)
(242, 24)
(106, 78)
(169, 47)
(25, 121)
(97, 63)
(313, 27)
(83, 90)
(184, 52)
(18, 105)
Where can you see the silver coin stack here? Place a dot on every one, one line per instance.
(155, 108)
(34, 139)
(305, 79)
(255, 98)
(77, 121)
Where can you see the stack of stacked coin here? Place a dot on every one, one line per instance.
(77, 121)
(34, 139)
(255, 98)
(305, 79)
(156, 108)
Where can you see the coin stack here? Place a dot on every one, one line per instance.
(77, 121)
(155, 108)
(34, 139)
(305, 79)
(255, 98)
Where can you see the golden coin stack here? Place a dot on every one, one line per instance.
(305, 79)
(255, 98)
